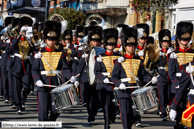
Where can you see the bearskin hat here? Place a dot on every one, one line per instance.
(110, 36)
(52, 30)
(80, 31)
(129, 36)
(67, 35)
(145, 33)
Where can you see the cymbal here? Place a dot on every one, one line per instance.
(153, 52)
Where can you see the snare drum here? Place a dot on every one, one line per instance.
(144, 99)
(91, 61)
(64, 97)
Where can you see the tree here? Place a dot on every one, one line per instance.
(72, 16)
(152, 5)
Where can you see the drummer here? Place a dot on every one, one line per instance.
(91, 94)
(180, 57)
(46, 69)
(103, 69)
(130, 69)
(163, 83)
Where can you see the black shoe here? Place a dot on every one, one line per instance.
(164, 119)
(90, 123)
(1, 96)
(117, 117)
(84, 104)
(6, 101)
(138, 125)
(19, 112)
(13, 107)
(31, 92)
(23, 107)
(100, 110)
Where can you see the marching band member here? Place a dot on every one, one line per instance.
(38, 31)
(9, 50)
(71, 51)
(79, 34)
(21, 64)
(163, 83)
(118, 47)
(91, 94)
(178, 58)
(74, 37)
(4, 61)
(129, 68)
(143, 34)
(103, 69)
(1, 85)
(46, 69)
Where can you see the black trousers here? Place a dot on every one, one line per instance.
(5, 82)
(44, 105)
(11, 88)
(82, 91)
(129, 116)
(108, 107)
(1, 84)
(21, 84)
(164, 96)
(92, 101)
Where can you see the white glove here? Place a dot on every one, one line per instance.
(114, 50)
(38, 55)
(173, 55)
(39, 83)
(3, 37)
(80, 48)
(75, 45)
(8, 41)
(76, 83)
(154, 80)
(189, 69)
(121, 59)
(106, 81)
(24, 29)
(73, 79)
(172, 114)
(99, 59)
(121, 49)
(85, 55)
(122, 86)
(170, 50)
(161, 53)
(68, 45)
(141, 53)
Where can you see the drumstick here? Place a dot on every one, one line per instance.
(129, 87)
(70, 79)
(150, 82)
(49, 85)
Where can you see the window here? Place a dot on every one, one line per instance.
(93, 1)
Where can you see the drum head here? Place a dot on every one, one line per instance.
(141, 90)
(61, 88)
(91, 62)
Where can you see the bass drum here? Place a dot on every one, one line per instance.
(91, 62)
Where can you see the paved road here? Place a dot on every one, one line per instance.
(76, 117)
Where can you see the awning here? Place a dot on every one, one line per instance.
(113, 12)
(38, 12)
